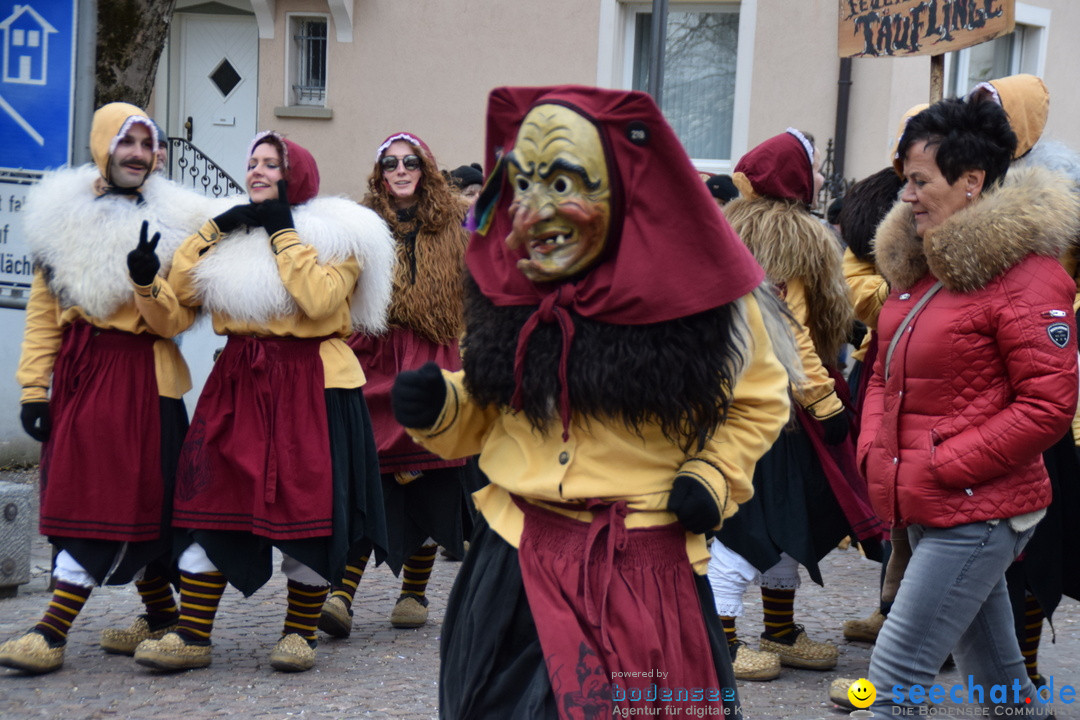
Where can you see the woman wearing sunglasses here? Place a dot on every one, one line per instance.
(280, 453)
(425, 502)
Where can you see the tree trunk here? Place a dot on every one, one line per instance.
(130, 37)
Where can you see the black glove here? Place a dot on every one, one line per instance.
(418, 396)
(237, 216)
(276, 215)
(143, 262)
(693, 504)
(858, 332)
(36, 420)
(836, 427)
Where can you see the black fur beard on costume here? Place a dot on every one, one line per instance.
(679, 373)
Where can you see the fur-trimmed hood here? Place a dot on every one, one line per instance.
(1034, 210)
(81, 240)
(791, 243)
(239, 276)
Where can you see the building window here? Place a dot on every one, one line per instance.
(1021, 51)
(700, 53)
(308, 60)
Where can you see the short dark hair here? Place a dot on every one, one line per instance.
(832, 213)
(865, 204)
(968, 136)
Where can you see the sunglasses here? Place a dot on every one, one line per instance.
(389, 163)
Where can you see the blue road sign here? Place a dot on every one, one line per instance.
(37, 82)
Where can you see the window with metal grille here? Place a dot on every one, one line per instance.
(309, 61)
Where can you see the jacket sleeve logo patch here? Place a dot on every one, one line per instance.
(1059, 334)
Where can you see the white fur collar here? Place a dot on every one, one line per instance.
(239, 276)
(83, 240)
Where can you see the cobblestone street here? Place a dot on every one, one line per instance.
(385, 673)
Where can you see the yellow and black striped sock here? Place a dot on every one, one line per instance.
(417, 571)
(305, 607)
(729, 628)
(354, 571)
(1029, 643)
(66, 604)
(778, 607)
(157, 597)
(200, 595)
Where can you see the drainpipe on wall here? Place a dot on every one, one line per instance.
(658, 36)
(843, 97)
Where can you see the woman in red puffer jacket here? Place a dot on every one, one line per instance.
(976, 375)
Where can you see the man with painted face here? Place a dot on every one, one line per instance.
(620, 381)
(102, 380)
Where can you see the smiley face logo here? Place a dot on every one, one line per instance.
(862, 693)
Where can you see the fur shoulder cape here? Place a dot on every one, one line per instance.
(790, 243)
(81, 240)
(239, 276)
(1034, 210)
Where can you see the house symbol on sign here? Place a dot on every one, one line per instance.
(25, 46)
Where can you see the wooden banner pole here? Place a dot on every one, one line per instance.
(937, 78)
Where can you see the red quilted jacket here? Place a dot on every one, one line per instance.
(985, 377)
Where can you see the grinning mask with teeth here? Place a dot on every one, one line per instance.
(562, 194)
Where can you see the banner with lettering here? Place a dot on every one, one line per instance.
(902, 28)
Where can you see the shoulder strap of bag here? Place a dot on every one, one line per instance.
(907, 321)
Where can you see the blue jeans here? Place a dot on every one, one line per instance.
(953, 599)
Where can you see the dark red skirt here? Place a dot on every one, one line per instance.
(492, 664)
(101, 475)
(618, 615)
(382, 357)
(257, 456)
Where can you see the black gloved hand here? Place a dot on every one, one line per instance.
(276, 215)
(858, 332)
(836, 427)
(36, 420)
(237, 216)
(143, 262)
(418, 396)
(693, 504)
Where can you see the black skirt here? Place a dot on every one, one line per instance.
(491, 663)
(1050, 565)
(432, 506)
(98, 556)
(793, 509)
(358, 515)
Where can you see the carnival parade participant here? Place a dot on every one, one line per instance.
(619, 384)
(807, 493)
(865, 204)
(424, 494)
(978, 301)
(102, 380)
(280, 451)
(468, 180)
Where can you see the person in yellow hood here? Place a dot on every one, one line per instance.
(102, 380)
